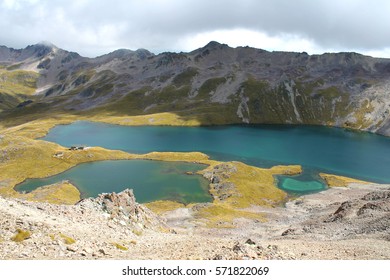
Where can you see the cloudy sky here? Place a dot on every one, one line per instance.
(95, 27)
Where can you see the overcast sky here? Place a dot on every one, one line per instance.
(96, 27)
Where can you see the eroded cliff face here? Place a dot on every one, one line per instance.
(215, 84)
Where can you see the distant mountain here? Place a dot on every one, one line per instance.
(215, 84)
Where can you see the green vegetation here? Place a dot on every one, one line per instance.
(319, 105)
(132, 103)
(209, 86)
(308, 87)
(68, 240)
(63, 75)
(15, 87)
(185, 77)
(339, 181)
(314, 104)
(168, 95)
(21, 235)
(120, 247)
(96, 89)
(59, 193)
(336, 103)
(13, 66)
(360, 115)
(223, 217)
(20, 154)
(137, 232)
(263, 105)
(23, 152)
(169, 101)
(330, 92)
(248, 190)
(102, 84)
(8, 101)
(18, 82)
(252, 185)
(162, 206)
(165, 77)
(171, 106)
(83, 78)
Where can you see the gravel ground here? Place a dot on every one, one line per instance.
(339, 223)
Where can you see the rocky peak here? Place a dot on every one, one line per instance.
(171, 59)
(30, 53)
(41, 49)
(213, 45)
(123, 207)
(143, 53)
(120, 53)
(117, 55)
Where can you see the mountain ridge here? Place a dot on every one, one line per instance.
(249, 85)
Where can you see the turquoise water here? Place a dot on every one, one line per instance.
(307, 182)
(294, 185)
(150, 180)
(318, 149)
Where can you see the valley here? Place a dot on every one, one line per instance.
(43, 86)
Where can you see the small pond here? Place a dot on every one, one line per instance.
(150, 180)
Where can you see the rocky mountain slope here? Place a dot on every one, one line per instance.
(248, 85)
(339, 223)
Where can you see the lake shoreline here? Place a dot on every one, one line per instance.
(38, 129)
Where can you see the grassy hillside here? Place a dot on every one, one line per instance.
(16, 87)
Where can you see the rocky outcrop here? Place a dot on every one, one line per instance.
(371, 213)
(99, 227)
(220, 187)
(115, 226)
(356, 212)
(249, 250)
(123, 209)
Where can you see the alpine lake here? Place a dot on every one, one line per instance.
(317, 149)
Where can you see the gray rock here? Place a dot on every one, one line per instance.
(72, 248)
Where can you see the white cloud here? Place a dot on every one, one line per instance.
(385, 53)
(96, 27)
(244, 37)
(283, 42)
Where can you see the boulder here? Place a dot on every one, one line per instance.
(123, 205)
